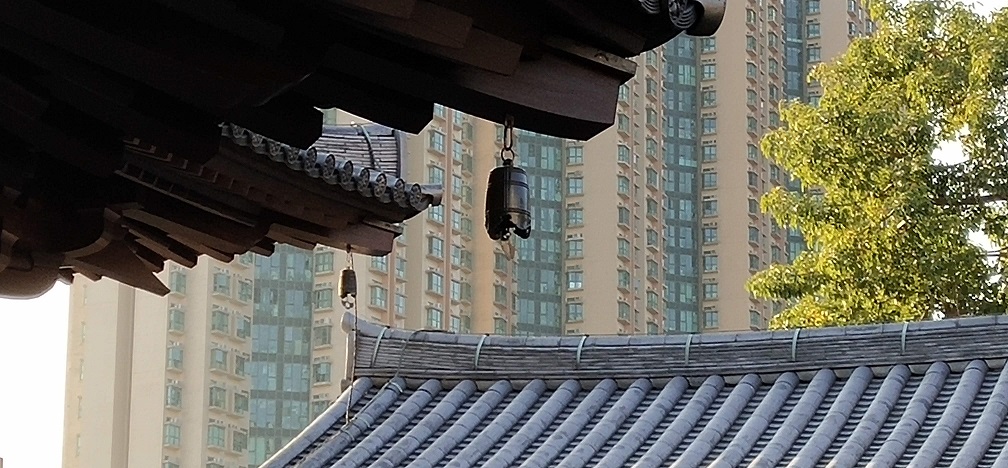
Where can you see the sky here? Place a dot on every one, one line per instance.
(33, 337)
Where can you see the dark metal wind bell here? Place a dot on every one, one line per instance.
(507, 202)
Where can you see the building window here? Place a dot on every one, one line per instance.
(814, 54)
(623, 215)
(222, 283)
(622, 185)
(710, 263)
(379, 296)
(651, 148)
(623, 153)
(710, 234)
(753, 206)
(400, 267)
(456, 290)
(709, 180)
(623, 248)
(177, 282)
(172, 434)
(653, 300)
(710, 208)
(623, 279)
(324, 262)
(318, 407)
(241, 403)
(624, 310)
(575, 186)
(500, 294)
(400, 305)
(240, 363)
(652, 207)
(575, 312)
(435, 282)
(753, 179)
(813, 6)
(754, 234)
(175, 357)
(652, 177)
(708, 71)
(575, 280)
(173, 396)
(708, 44)
(219, 321)
(708, 98)
(215, 436)
(710, 291)
(711, 319)
(652, 238)
(708, 153)
(754, 262)
(653, 270)
(322, 335)
(435, 175)
(752, 125)
(323, 298)
(176, 319)
(321, 372)
(437, 141)
(435, 318)
(709, 125)
(436, 214)
(500, 326)
(218, 359)
(244, 290)
(623, 123)
(755, 319)
(624, 93)
(575, 248)
(239, 441)
(752, 151)
(751, 70)
(244, 328)
(379, 264)
(575, 217)
(575, 154)
(501, 262)
(435, 246)
(218, 397)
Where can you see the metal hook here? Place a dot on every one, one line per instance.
(509, 139)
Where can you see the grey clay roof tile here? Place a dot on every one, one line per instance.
(748, 399)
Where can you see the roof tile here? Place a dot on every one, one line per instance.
(941, 402)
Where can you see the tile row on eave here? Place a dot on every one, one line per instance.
(939, 415)
(348, 172)
(380, 350)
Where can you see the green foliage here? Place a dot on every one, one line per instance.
(888, 227)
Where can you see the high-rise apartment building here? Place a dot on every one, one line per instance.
(653, 226)
(161, 381)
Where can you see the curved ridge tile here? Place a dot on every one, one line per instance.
(756, 425)
(329, 418)
(572, 426)
(873, 418)
(427, 426)
(463, 426)
(839, 412)
(646, 423)
(681, 425)
(722, 420)
(503, 423)
(987, 426)
(361, 422)
(952, 418)
(581, 454)
(535, 426)
(796, 422)
(913, 416)
(384, 432)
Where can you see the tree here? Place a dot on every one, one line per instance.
(887, 227)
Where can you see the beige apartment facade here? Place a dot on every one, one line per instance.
(160, 381)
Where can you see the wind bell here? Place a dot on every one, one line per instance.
(507, 200)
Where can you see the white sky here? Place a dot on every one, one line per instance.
(33, 337)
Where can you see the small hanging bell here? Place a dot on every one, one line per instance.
(507, 202)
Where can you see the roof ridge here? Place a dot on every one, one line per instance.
(461, 356)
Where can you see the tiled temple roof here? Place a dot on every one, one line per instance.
(921, 394)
